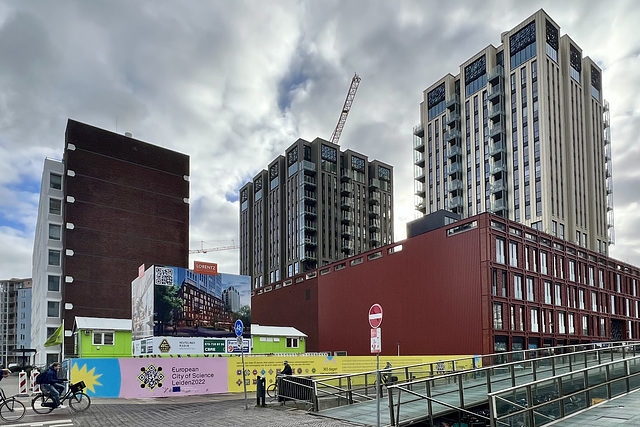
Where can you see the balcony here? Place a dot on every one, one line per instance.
(310, 211)
(455, 202)
(310, 241)
(498, 205)
(374, 224)
(496, 167)
(310, 226)
(374, 183)
(497, 186)
(346, 174)
(374, 239)
(308, 167)
(455, 168)
(374, 198)
(418, 143)
(418, 158)
(454, 150)
(310, 256)
(456, 185)
(497, 148)
(495, 110)
(347, 245)
(309, 197)
(494, 92)
(452, 135)
(309, 181)
(374, 211)
(453, 118)
(346, 203)
(418, 130)
(347, 231)
(420, 189)
(452, 101)
(422, 206)
(496, 131)
(346, 217)
(346, 188)
(494, 75)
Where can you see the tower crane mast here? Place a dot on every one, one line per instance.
(355, 82)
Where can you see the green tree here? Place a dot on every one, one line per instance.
(243, 314)
(167, 305)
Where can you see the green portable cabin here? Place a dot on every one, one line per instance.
(277, 339)
(102, 337)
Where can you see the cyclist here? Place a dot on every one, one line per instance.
(52, 384)
(5, 373)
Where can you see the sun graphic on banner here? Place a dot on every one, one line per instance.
(89, 377)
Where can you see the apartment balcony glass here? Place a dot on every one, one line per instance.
(495, 74)
(497, 186)
(419, 186)
(346, 174)
(346, 188)
(497, 148)
(418, 172)
(497, 167)
(418, 130)
(346, 217)
(310, 256)
(374, 239)
(455, 168)
(374, 211)
(418, 158)
(421, 206)
(495, 110)
(456, 185)
(418, 143)
(495, 131)
(347, 231)
(454, 150)
(347, 245)
(498, 205)
(452, 101)
(310, 241)
(310, 226)
(374, 198)
(453, 117)
(455, 202)
(346, 203)
(309, 211)
(374, 224)
(374, 183)
(494, 92)
(309, 197)
(309, 181)
(308, 167)
(452, 134)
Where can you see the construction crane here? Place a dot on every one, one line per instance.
(355, 82)
(204, 250)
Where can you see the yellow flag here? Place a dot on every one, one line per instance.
(55, 338)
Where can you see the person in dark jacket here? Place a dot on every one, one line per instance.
(287, 369)
(5, 373)
(53, 385)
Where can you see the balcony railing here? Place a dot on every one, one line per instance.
(454, 150)
(374, 183)
(346, 203)
(455, 202)
(495, 73)
(496, 148)
(346, 188)
(496, 167)
(374, 197)
(308, 166)
(455, 168)
(418, 143)
(418, 130)
(452, 134)
(452, 101)
(456, 185)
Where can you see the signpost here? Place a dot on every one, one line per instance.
(239, 328)
(375, 320)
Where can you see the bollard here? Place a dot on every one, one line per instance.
(261, 389)
(23, 387)
(35, 388)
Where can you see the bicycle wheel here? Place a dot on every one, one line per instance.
(12, 410)
(42, 404)
(272, 391)
(79, 402)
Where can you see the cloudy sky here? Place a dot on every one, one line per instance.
(233, 83)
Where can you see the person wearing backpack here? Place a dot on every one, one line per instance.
(52, 384)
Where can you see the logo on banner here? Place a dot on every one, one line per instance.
(164, 346)
(205, 268)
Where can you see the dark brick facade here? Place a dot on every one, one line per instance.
(126, 201)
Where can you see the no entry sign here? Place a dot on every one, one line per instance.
(375, 316)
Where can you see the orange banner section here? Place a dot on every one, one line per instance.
(205, 268)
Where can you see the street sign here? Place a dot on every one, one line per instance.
(239, 327)
(375, 316)
(240, 342)
(376, 340)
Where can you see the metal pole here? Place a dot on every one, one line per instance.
(379, 387)
(244, 381)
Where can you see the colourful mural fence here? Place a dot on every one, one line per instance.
(169, 376)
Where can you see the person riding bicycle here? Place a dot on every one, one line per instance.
(52, 384)
(5, 373)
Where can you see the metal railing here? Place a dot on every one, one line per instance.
(544, 401)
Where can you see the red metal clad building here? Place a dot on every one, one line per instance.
(477, 286)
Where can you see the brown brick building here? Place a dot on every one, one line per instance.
(126, 204)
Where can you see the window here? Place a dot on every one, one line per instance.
(55, 232)
(517, 286)
(585, 325)
(529, 286)
(572, 270)
(591, 280)
(53, 283)
(53, 309)
(50, 331)
(513, 254)
(55, 181)
(55, 206)
(500, 250)
(581, 298)
(547, 293)
(543, 262)
(613, 304)
(558, 295)
(571, 324)
(292, 343)
(103, 338)
(594, 301)
(534, 320)
(54, 257)
(561, 324)
(497, 316)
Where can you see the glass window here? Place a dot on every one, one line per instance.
(571, 324)
(103, 338)
(558, 295)
(561, 323)
(517, 286)
(572, 270)
(534, 320)
(547, 293)
(529, 286)
(543, 262)
(55, 232)
(500, 250)
(581, 298)
(513, 254)
(292, 343)
(55, 206)
(55, 181)
(497, 316)
(53, 309)
(54, 257)
(53, 283)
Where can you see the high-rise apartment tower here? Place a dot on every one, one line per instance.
(521, 131)
(313, 206)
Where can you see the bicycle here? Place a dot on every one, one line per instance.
(272, 390)
(43, 403)
(11, 409)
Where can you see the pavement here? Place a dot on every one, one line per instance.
(218, 410)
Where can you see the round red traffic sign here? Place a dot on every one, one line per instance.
(375, 315)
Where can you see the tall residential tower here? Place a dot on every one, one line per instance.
(521, 131)
(313, 206)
